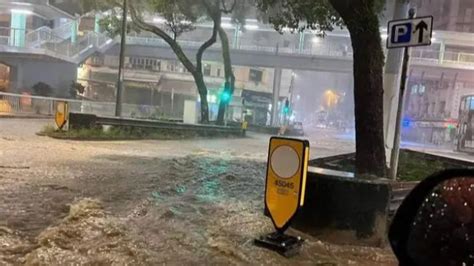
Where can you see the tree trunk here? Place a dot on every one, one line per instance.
(362, 22)
(196, 71)
(229, 75)
(202, 89)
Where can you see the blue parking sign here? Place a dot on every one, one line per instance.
(401, 33)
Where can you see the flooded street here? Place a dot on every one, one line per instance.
(144, 202)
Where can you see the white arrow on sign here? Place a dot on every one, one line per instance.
(410, 32)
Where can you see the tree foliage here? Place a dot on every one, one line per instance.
(179, 16)
(76, 88)
(42, 89)
(300, 15)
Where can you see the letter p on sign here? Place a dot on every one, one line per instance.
(401, 33)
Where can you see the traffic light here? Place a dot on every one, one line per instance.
(225, 97)
(225, 94)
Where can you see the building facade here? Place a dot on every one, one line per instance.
(165, 85)
(433, 95)
(450, 15)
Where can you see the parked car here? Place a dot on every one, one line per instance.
(295, 129)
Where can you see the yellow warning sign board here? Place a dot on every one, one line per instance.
(286, 179)
(61, 115)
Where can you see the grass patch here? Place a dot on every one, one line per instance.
(411, 166)
(121, 133)
(417, 169)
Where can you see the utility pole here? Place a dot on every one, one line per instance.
(403, 82)
(118, 103)
(398, 10)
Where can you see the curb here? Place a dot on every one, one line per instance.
(24, 117)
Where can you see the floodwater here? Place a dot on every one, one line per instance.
(188, 202)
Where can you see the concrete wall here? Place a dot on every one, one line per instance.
(27, 71)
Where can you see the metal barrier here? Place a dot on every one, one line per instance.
(46, 106)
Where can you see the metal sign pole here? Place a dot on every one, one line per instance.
(396, 142)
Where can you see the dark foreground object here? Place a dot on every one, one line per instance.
(431, 226)
(79, 121)
(286, 245)
(344, 210)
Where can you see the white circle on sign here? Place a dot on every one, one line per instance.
(285, 161)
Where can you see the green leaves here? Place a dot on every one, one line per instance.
(318, 15)
(299, 15)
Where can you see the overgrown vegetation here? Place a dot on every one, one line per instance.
(124, 133)
(412, 166)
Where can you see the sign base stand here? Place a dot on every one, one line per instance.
(286, 245)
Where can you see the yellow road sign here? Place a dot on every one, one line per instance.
(61, 115)
(286, 179)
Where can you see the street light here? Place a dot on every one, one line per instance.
(331, 98)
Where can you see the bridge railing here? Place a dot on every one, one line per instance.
(47, 41)
(449, 57)
(427, 55)
(322, 50)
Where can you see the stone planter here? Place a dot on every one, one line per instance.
(343, 209)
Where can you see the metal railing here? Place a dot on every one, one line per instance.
(64, 31)
(46, 106)
(46, 34)
(446, 57)
(47, 41)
